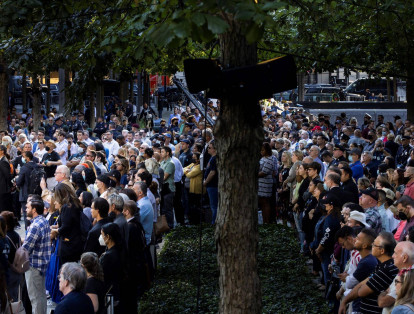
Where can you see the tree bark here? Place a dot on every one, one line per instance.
(410, 95)
(301, 86)
(92, 105)
(239, 135)
(62, 98)
(4, 86)
(99, 100)
(48, 97)
(36, 92)
(24, 91)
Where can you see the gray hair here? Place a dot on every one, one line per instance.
(75, 275)
(65, 170)
(316, 147)
(408, 249)
(117, 200)
(143, 187)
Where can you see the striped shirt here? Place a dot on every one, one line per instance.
(37, 243)
(380, 280)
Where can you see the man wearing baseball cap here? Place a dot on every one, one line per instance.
(369, 202)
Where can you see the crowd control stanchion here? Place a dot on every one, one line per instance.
(109, 303)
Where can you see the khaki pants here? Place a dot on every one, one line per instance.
(35, 282)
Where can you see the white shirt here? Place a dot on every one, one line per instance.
(39, 153)
(62, 146)
(88, 141)
(179, 172)
(112, 147)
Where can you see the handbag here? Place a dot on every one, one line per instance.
(16, 307)
(161, 225)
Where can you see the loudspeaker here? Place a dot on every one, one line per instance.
(258, 81)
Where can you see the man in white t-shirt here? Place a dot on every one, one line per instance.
(62, 147)
(111, 145)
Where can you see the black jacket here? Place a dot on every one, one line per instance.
(339, 194)
(92, 241)
(23, 180)
(5, 176)
(351, 190)
(75, 302)
(136, 247)
(70, 238)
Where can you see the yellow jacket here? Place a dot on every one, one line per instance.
(194, 173)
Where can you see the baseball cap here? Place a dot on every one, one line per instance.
(331, 200)
(371, 192)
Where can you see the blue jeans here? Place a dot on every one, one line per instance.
(326, 260)
(298, 222)
(213, 197)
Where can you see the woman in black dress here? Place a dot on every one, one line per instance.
(95, 287)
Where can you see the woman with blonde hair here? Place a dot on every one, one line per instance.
(404, 286)
(297, 157)
(123, 167)
(90, 166)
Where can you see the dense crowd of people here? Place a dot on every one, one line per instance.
(348, 190)
(102, 197)
(99, 196)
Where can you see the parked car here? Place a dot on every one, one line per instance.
(321, 93)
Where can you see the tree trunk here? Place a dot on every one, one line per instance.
(92, 106)
(389, 89)
(62, 98)
(131, 90)
(410, 96)
(99, 100)
(239, 135)
(123, 88)
(36, 92)
(4, 86)
(24, 91)
(48, 98)
(394, 85)
(301, 86)
(146, 93)
(139, 92)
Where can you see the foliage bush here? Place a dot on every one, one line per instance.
(287, 285)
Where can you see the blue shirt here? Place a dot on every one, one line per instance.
(357, 170)
(37, 243)
(147, 215)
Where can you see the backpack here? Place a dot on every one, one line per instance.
(85, 226)
(35, 177)
(21, 262)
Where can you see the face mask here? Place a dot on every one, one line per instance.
(325, 187)
(370, 137)
(47, 148)
(23, 160)
(350, 159)
(195, 134)
(101, 240)
(83, 177)
(31, 137)
(384, 133)
(402, 216)
(80, 149)
(378, 172)
(175, 142)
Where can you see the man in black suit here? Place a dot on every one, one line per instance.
(348, 185)
(332, 182)
(99, 211)
(5, 181)
(136, 282)
(23, 180)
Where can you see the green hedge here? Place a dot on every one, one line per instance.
(287, 286)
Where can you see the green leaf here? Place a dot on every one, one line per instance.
(216, 25)
(198, 19)
(254, 33)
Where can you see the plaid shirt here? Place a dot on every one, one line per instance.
(373, 218)
(37, 243)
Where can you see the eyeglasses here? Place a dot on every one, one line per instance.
(399, 281)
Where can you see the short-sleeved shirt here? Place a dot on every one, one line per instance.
(95, 286)
(169, 167)
(50, 170)
(380, 280)
(365, 268)
(212, 166)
